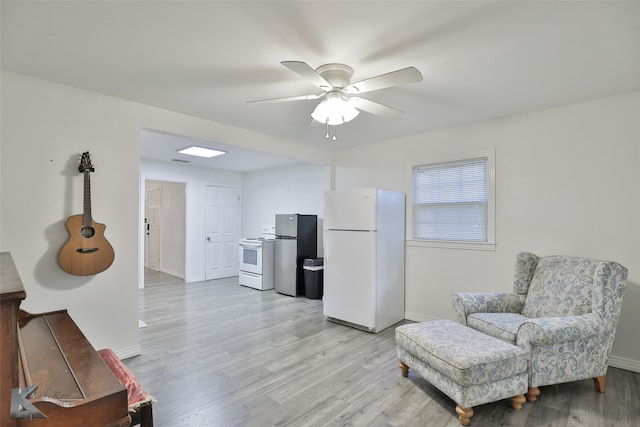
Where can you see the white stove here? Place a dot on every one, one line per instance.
(256, 266)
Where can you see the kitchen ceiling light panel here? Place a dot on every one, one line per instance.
(194, 150)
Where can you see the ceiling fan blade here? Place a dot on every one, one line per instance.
(304, 70)
(288, 98)
(394, 78)
(376, 108)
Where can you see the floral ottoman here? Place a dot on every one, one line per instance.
(468, 366)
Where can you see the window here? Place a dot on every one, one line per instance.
(453, 202)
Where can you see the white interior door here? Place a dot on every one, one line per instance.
(154, 201)
(222, 232)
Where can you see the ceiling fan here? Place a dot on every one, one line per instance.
(334, 80)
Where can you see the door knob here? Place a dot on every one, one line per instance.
(208, 238)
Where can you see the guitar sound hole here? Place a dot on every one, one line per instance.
(87, 232)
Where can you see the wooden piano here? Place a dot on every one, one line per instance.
(75, 386)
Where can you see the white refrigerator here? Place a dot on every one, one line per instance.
(364, 235)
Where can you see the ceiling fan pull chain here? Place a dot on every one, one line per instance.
(327, 123)
(334, 133)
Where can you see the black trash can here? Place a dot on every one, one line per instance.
(313, 271)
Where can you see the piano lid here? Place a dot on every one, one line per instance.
(56, 356)
(52, 374)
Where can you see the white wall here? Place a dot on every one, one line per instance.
(44, 126)
(297, 188)
(567, 182)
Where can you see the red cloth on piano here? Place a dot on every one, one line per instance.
(135, 393)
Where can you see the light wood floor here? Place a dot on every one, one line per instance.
(158, 278)
(219, 354)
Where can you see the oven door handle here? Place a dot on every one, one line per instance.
(250, 245)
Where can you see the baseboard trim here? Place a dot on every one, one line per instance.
(614, 361)
(623, 363)
(124, 353)
(418, 317)
(171, 272)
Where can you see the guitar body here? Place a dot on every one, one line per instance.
(86, 251)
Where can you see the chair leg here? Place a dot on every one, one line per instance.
(599, 383)
(532, 394)
(464, 414)
(405, 369)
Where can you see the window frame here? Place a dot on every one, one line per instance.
(490, 244)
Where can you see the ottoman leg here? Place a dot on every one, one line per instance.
(464, 414)
(517, 401)
(532, 394)
(405, 369)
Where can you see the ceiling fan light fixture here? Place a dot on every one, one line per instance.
(335, 109)
(335, 81)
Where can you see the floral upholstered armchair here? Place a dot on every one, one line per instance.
(563, 310)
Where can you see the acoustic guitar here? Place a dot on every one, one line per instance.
(86, 251)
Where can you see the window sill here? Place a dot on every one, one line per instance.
(474, 246)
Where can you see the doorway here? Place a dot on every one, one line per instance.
(165, 227)
(222, 231)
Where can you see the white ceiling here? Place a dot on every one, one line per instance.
(479, 59)
(164, 147)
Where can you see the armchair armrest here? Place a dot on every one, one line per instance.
(468, 303)
(550, 330)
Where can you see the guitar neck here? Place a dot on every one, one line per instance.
(86, 216)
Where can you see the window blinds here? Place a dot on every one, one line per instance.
(450, 201)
